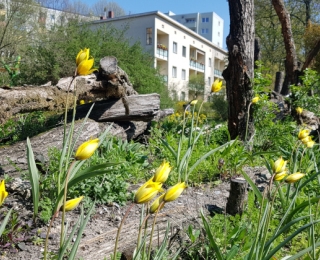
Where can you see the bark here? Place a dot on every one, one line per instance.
(291, 65)
(238, 196)
(279, 81)
(240, 68)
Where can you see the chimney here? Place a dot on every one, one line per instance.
(110, 14)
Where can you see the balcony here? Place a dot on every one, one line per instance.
(196, 65)
(162, 54)
(218, 72)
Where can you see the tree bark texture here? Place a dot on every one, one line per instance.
(279, 81)
(238, 74)
(291, 64)
(237, 197)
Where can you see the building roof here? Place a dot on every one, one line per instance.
(168, 19)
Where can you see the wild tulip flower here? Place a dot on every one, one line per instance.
(87, 149)
(310, 144)
(280, 176)
(193, 102)
(174, 192)
(84, 64)
(303, 133)
(216, 86)
(3, 192)
(299, 110)
(306, 139)
(255, 100)
(147, 192)
(292, 178)
(82, 102)
(162, 173)
(72, 204)
(82, 55)
(156, 204)
(279, 165)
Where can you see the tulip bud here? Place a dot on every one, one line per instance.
(279, 165)
(174, 192)
(72, 204)
(299, 110)
(303, 133)
(280, 176)
(292, 178)
(3, 192)
(147, 192)
(162, 172)
(156, 204)
(87, 149)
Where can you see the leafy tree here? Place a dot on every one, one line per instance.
(196, 85)
(102, 6)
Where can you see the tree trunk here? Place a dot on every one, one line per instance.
(238, 196)
(239, 72)
(291, 65)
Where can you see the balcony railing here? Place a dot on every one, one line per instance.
(217, 72)
(196, 65)
(162, 53)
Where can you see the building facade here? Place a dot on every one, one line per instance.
(208, 25)
(180, 53)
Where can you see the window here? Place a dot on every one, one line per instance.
(183, 74)
(209, 81)
(219, 23)
(52, 17)
(183, 96)
(174, 72)
(209, 63)
(190, 20)
(204, 30)
(184, 51)
(175, 47)
(149, 36)
(205, 19)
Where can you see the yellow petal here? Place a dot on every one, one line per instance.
(294, 177)
(279, 165)
(72, 204)
(299, 110)
(255, 100)
(306, 139)
(162, 173)
(3, 192)
(303, 133)
(174, 192)
(82, 55)
(147, 192)
(87, 149)
(280, 176)
(216, 86)
(310, 144)
(85, 67)
(156, 204)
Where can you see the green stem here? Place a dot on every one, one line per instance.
(64, 202)
(47, 236)
(152, 230)
(119, 230)
(247, 123)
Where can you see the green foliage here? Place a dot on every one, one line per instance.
(220, 105)
(307, 95)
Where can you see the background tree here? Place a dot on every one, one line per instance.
(238, 74)
(196, 85)
(102, 6)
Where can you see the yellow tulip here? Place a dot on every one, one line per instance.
(193, 102)
(216, 86)
(156, 204)
(72, 204)
(299, 110)
(279, 165)
(84, 64)
(174, 192)
(82, 102)
(280, 176)
(306, 139)
(255, 100)
(162, 173)
(310, 144)
(3, 192)
(303, 133)
(87, 149)
(147, 192)
(294, 177)
(82, 55)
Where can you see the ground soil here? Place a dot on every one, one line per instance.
(98, 238)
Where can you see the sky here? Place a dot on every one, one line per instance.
(220, 7)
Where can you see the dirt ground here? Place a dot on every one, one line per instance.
(98, 238)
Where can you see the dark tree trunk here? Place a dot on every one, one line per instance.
(238, 196)
(279, 81)
(257, 51)
(291, 65)
(238, 74)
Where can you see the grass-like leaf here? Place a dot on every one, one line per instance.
(5, 221)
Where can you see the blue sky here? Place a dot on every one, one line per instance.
(220, 7)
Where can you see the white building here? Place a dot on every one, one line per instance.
(208, 25)
(179, 52)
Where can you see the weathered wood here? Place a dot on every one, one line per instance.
(279, 81)
(142, 108)
(14, 157)
(238, 196)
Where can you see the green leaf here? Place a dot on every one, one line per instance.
(34, 178)
(5, 221)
